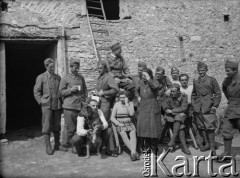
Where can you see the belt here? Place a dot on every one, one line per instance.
(121, 117)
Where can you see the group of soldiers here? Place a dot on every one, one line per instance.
(180, 104)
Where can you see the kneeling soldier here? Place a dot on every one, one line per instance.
(175, 107)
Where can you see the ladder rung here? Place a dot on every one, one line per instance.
(97, 23)
(97, 8)
(93, 1)
(100, 31)
(95, 15)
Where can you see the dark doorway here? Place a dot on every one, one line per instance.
(24, 62)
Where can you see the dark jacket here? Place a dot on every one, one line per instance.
(109, 86)
(46, 91)
(177, 105)
(231, 89)
(206, 94)
(117, 66)
(71, 100)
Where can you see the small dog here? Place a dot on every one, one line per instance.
(94, 139)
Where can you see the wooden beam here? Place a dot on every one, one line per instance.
(3, 101)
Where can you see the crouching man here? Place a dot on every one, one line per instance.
(84, 121)
(175, 107)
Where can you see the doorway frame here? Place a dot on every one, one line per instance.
(61, 69)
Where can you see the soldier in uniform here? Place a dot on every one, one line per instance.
(117, 66)
(164, 83)
(231, 121)
(141, 67)
(175, 107)
(206, 96)
(73, 90)
(46, 93)
(175, 75)
(107, 89)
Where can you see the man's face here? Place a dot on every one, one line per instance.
(93, 105)
(184, 81)
(117, 51)
(50, 68)
(202, 72)
(174, 92)
(74, 69)
(159, 75)
(101, 69)
(230, 72)
(140, 70)
(175, 75)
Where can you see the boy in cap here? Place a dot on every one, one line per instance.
(175, 107)
(73, 90)
(47, 95)
(231, 121)
(141, 67)
(175, 75)
(164, 82)
(206, 96)
(116, 64)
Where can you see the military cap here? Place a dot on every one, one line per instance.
(202, 65)
(173, 69)
(231, 64)
(48, 61)
(74, 62)
(159, 68)
(175, 85)
(142, 64)
(115, 46)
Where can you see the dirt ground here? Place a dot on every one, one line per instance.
(24, 156)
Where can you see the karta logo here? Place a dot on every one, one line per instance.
(152, 162)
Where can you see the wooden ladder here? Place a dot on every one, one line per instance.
(98, 28)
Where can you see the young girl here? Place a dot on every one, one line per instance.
(122, 112)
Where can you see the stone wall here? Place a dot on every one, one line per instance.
(151, 34)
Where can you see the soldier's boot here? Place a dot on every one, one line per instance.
(57, 145)
(176, 127)
(183, 142)
(211, 136)
(165, 128)
(49, 150)
(206, 147)
(227, 150)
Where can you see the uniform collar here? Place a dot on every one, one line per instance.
(102, 76)
(235, 78)
(49, 75)
(202, 79)
(72, 75)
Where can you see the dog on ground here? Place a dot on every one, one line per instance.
(95, 125)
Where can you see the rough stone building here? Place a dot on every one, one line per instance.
(167, 32)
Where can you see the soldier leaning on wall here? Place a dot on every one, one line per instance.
(46, 93)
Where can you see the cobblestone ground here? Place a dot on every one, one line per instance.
(25, 157)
